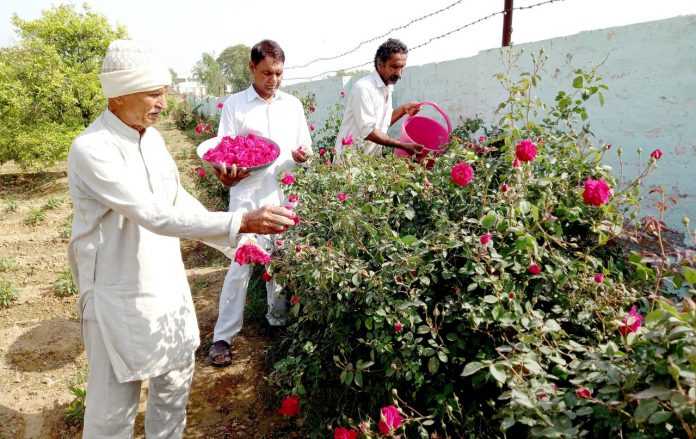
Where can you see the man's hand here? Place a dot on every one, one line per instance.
(412, 148)
(232, 175)
(412, 108)
(267, 220)
(300, 155)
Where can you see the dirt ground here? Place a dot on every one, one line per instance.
(41, 352)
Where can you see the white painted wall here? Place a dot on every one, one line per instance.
(650, 70)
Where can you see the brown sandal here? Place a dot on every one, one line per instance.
(219, 349)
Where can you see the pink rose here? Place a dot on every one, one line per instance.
(199, 128)
(322, 152)
(398, 327)
(596, 192)
(290, 406)
(311, 127)
(485, 239)
(504, 187)
(583, 392)
(343, 94)
(342, 197)
(516, 163)
(656, 154)
(251, 254)
(266, 276)
(296, 219)
(631, 322)
(208, 127)
(599, 278)
(294, 299)
(219, 105)
(288, 179)
(201, 172)
(347, 141)
(344, 433)
(279, 242)
(482, 139)
(327, 163)
(389, 420)
(462, 174)
(292, 198)
(526, 150)
(428, 183)
(534, 269)
(312, 108)
(289, 207)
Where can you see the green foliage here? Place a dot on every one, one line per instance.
(11, 205)
(53, 203)
(75, 412)
(64, 284)
(400, 301)
(234, 65)
(65, 229)
(49, 90)
(8, 294)
(7, 264)
(35, 216)
(184, 116)
(213, 194)
(207, 71)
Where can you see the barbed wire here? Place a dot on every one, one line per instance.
(375, 38)
(487, 17)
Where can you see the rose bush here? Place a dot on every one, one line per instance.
(475, 307)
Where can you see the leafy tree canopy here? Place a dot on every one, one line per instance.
(234, 64)
(49, 89)
(207, 71)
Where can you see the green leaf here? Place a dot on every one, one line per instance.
(659, 417)
(551, 326)
(410, 214)
(472, 368)
(577, 82)
(358, 379)
(442, 356)
(690, 275)
(646, 408)
(488, 220)
(490, 299)
(433, 365)
(497, 371)
(409, 239)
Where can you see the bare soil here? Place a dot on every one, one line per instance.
(41, 352)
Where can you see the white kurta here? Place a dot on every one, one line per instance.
(283, 121)
(368, 108)
(129, 211)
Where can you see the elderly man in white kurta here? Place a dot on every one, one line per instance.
(129, 211)
(261, 110)
(368, 113)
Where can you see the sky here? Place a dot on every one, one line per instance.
(180, 32)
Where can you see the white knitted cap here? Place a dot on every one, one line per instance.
(129, 67)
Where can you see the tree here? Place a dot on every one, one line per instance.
(207, 72)
(175, 77)
(234, 64)
(49, 89)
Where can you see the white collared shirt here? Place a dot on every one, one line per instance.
(369, 108)
(129, 211)
(281, 120)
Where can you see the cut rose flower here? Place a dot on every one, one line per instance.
(251, 254)
(243, 151)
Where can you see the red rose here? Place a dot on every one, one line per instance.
(526, 150)
(266, 276)
(656, 154)
(462, 174)
(485, 239)
(534, 269)
(398, 327)
(294, 299)
(583, 392)
(290, 406)
(344, 433)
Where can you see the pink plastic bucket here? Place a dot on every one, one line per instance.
(428, 132)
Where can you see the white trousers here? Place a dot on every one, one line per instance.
(233, 298)
(111, 406)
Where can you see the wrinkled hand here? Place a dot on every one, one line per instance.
(300, 155)
(412, 108)
(267, 220)
(412, 148)
(232, 175)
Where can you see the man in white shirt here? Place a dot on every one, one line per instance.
(263, 110)
(129, 211)
(369, 114)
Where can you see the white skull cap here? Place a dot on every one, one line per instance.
(130, 67)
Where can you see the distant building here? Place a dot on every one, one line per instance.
(189, 87)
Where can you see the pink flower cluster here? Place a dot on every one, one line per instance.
(251, 254)
(243, 151)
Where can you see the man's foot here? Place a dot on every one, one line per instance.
(220, 355)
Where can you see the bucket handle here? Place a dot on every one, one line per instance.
(437, 107)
